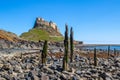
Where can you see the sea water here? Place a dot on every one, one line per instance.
(102, 47)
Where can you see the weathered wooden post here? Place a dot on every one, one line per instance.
(115, 52)
(71, 45)
(44, 53)
(108, 51)
(65, 58)
(95, 57)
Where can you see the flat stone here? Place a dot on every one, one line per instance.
(106, 76)
(20, 76)
(93, 71)
(78, 72)
(13, 62)
(50, 71)
(7, 67)
(1, 78)
(7, 77)
(44, 77)
(33, 75)
(17, 69)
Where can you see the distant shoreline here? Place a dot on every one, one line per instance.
(98, 45)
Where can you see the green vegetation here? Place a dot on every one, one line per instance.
(38, 34)
(58, 38)
(35, 35)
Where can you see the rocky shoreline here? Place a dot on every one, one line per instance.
(28, 67)
(22, 61)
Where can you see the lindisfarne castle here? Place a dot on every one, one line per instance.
(40, 23)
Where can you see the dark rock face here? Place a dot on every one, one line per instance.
(19, 45)
(5, 44)
(22, 47)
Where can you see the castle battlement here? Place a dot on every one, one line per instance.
(41, 21)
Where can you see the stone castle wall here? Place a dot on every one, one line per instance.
(53, 25)
(41, 21)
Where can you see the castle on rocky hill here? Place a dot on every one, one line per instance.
(40, 22)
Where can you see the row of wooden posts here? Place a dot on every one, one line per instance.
(95, 54)
(66, 49)
(115, 52)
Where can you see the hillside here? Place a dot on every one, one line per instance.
(8, 36)
(40, 34)
(43, 30)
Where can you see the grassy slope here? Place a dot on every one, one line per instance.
(37, 34)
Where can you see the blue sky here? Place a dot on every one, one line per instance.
(93, 21)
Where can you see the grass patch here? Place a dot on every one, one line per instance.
(35, 35)
(38, 34)
(59, 38)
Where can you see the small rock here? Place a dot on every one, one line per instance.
(10, 71)
(7, 77)
(50, 71)
(13, 62)
(44, 77)
(20, 76)
(93, 71)
(17, 69)
(33, 75)
(106, 76)
(1, 78)
(78, 72)
(7, 67)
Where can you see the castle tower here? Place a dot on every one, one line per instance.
(39, 19)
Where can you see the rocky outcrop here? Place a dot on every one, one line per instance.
(8, 36)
